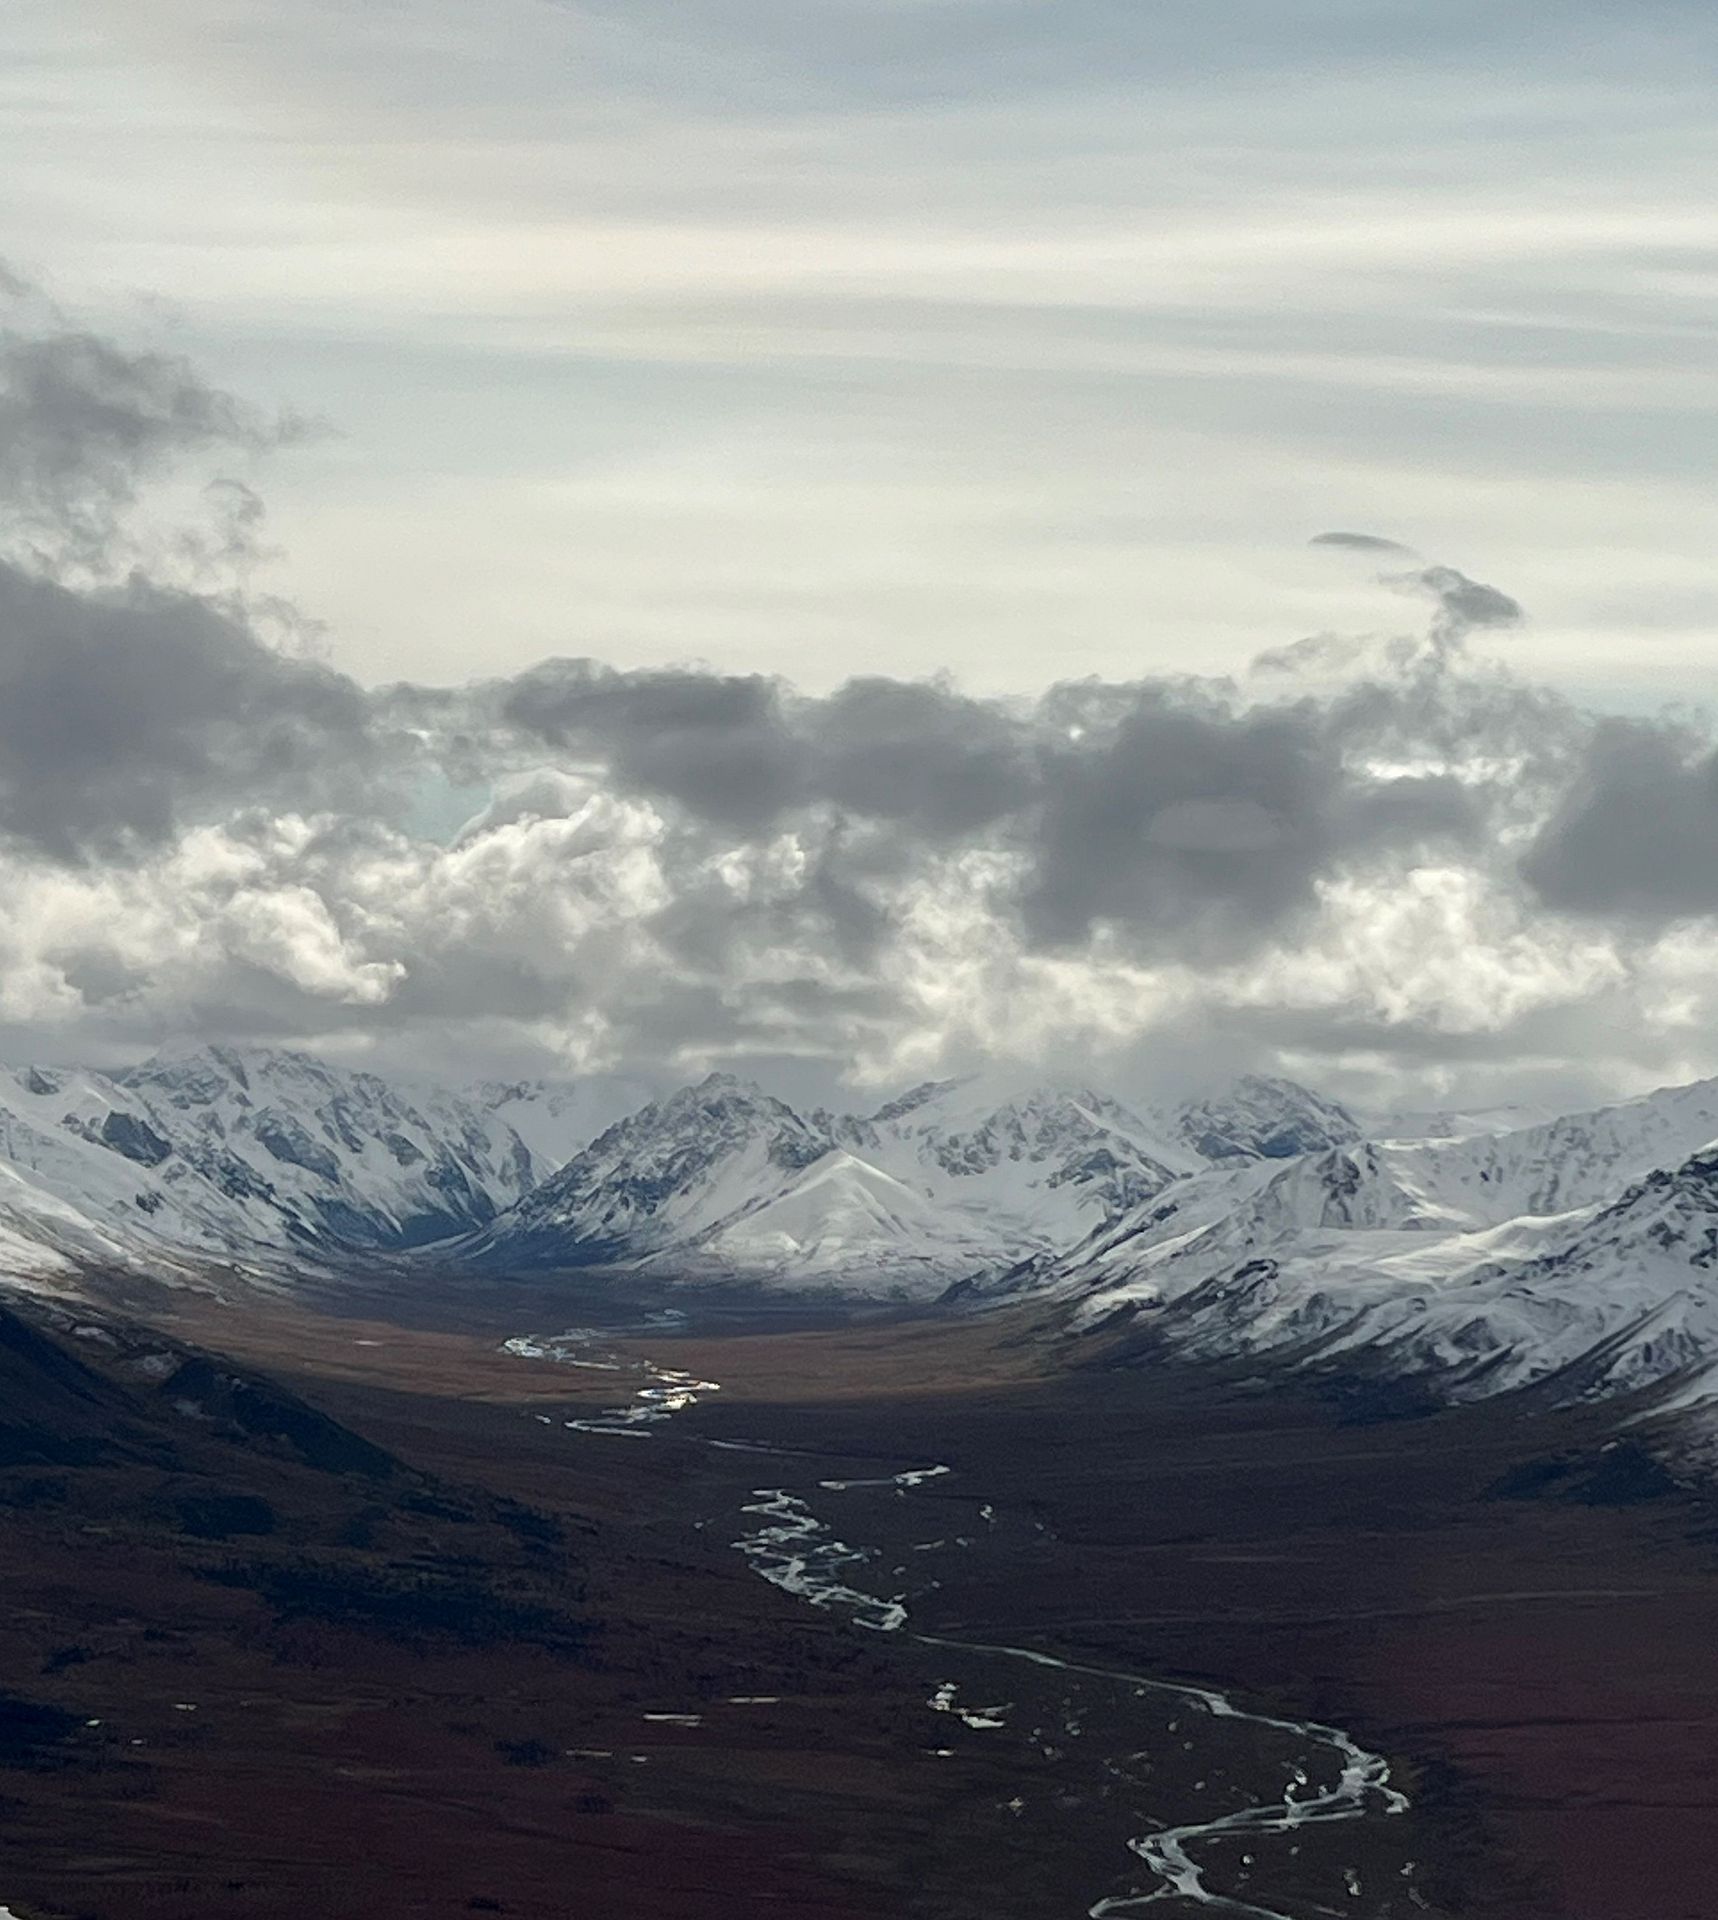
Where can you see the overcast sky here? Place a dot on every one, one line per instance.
(1006, 337)
(782, 343)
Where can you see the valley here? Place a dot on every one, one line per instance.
(836, 1081)
(411, 1504)
(611, 1711)
(1479, 1255)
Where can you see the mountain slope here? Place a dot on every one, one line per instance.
(225, 1153)
(557, 1118)
(1040, 1165)
(86, 1178)
(1483, 1262)
(341, 1158)
(1261, 1117)
(661, 1177)
(842, 1220)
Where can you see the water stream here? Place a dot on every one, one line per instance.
(666, 1390)
(1328, 1776)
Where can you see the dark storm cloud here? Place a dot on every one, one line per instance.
(921, 754)
(1636, 833)
(1414, 813)
(1192, 824)
(1165, 812)
(1181, 823)
(720, 745)
(124, 711)
(127, 705)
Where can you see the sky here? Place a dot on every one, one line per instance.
(605, 538)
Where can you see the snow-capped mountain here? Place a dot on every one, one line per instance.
(221, 1152)
(843, 1222)
(1450, 1123)
(1585, 1243)
(68, 1196)
(344, 1158)
(1255, 1220)
(1044, 1163)
(1263, 1118)
(725, 1180)
(955, 1180)
(270, 1156)
(659, 1178)
(556, 1118)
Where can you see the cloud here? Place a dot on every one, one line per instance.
(1418, 870)
(1464, 605)
(1360, 543)
(719, 744)
(126, 712)
(85, 424)
(131, 704)
(1636, 832)
(883, 338)
(1164, 814)
(1129, 833)
(922, 755)
(1214, 826)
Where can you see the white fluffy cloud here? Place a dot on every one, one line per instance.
(596, 940)
(1399, 869)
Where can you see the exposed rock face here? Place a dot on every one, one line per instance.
(1264, 1119)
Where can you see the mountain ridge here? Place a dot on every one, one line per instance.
(1587, 1242)
(1258, 1219)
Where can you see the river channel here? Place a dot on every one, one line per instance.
(1194, 1801)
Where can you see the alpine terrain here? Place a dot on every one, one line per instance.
(1260, 1218)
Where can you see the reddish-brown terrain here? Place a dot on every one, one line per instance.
(368, 1631)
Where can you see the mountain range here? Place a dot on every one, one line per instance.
(1581, 1247)
(1473, 1253)
(253, 1157)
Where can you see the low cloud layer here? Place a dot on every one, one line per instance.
(1423, 877)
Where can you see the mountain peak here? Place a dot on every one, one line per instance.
(722, 1081)
(671, 1169)
(1264, 1117)
(263, 1147)
(207, 1065)
(727, 1094)
(910, 1101)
